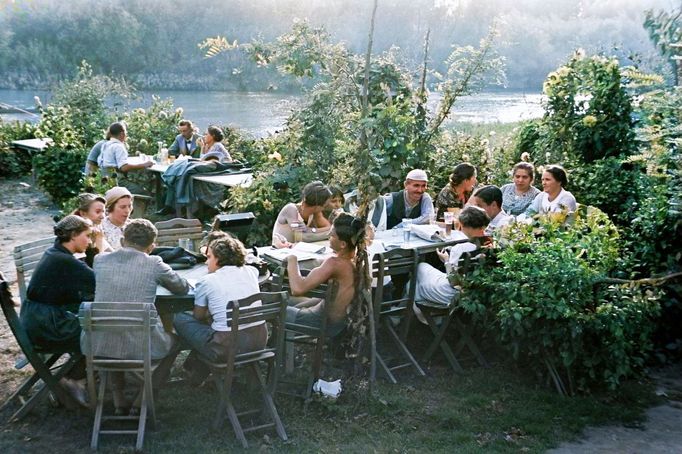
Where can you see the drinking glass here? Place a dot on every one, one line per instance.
(407, 228)
(449, 219)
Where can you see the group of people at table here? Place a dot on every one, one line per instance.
(100, 254)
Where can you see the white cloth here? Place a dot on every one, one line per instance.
(228, 283)
(114, 154)
(542, 205)
(433, 285)
(498, 221)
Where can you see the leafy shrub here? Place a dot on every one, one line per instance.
(59, 171)
(147, 127)
(13, 162)
(544, 296)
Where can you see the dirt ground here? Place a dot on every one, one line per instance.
(26, 215)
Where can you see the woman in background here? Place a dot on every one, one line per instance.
(554, 197)
(212, 147)
(517, 196)
(92, 207)
(457, 192)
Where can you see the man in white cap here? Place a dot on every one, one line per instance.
(412, 202)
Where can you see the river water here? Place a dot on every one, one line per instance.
(262, 113)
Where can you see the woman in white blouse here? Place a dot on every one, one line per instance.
(554, 197)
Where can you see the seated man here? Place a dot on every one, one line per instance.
(185, 143)
(377, 210)
(303, 221)
(490, 199)
(434, 285)
(347, 232)
(114, 157)
(91, 167)
(411, 202)
(130, 274)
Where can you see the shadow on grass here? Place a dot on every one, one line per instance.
(499, 409)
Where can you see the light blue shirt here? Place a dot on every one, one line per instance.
(114, 154)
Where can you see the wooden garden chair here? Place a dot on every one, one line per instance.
(316, 338)
(108, 351)
(172, 230)
(47, 372)
(26, 258)
(271, 311)
(387, 309)
(450, 321)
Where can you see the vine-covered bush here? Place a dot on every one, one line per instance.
(14, 163)
(544, 298)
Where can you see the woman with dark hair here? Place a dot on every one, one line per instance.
(457, 192)
(554, 197)
(207, 330)
(517, 196)
(305, 218)
(60, 282)
(347, 234)
(212, 147)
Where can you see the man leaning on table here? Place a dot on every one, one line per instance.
(185, 143)
(114, 157)
(411, 202)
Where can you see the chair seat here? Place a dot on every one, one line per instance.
(434, 305)
(238, 362)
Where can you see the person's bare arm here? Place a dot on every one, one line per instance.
(200, 313)
(300, 285)
(320, 222)
(129, 167)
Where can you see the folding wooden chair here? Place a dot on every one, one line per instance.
(451, 321)
(306, 335)
(103, 325)
(386, 309)
(26, 257)
(172, 230)
(273, 311)
(47, 374)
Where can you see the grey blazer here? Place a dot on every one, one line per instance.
(131, 276)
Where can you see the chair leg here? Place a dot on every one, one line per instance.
(149, 398)
(142, 421)
(466, 340)
(26, 386)
(266, 390)
(234, 420)
(386, 369)
(219, 380)
(403, 348)
(439, 341)
(98, 411)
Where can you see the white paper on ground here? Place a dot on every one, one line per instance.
(328, 388)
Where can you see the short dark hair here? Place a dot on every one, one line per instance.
(473, 217)
(116, 129)
(489, 194)
(559, 174)
(140, 233)
(316, 193)
(216, 133)
(337, 193)
(228, 251)
(350, 229)
(462, 172)
(185, 123)
(71, 226)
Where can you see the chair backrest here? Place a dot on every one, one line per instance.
(392, 263)
(117, 334)
(172, 230)
(272, 310)
(26, 258)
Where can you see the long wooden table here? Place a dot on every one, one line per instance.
(227, 180)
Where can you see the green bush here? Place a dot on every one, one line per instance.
(59, 172)
(544, 296)
(14, 163)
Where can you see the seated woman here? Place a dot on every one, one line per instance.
(554, 197)
(119, 207)
(207, 330)
(92, 207)
(212, 147)
(434, 285)
(346, 234)
(457, 192)
(179, 186)
(517, 196)
(334, 205)
(60, 282)
(305, 217)
(131, 275)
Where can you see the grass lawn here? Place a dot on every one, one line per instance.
(500, 409)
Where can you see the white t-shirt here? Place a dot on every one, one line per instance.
(114, 154)
(497, 222)
(542, 205)
(228, 283)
